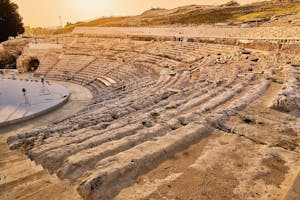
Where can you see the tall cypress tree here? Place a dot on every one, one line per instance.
(10, 20)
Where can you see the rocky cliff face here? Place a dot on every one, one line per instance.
(10, 51)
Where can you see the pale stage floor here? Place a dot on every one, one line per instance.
(16, 106)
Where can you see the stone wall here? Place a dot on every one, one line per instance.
(262, 45)
(35, 51)
(291, 49)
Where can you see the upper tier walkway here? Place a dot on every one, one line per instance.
(253, 33)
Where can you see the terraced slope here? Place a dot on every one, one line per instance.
(23, 179)
(151, 100)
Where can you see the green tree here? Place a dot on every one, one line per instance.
(10, 20)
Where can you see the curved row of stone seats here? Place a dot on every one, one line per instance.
(46, 64)
(108, 109)
(138, 160)
(107, 81)
(114, 149)
(163, 84)
(288, 99)
(69, 65)
(85, 118)
(125, 73)
(94, 70)
(147, 60)
(220, 117)
(132, 91)
(150, 110)
(107, 96)
(101, 86)
(81, 51)
(191, 52)
(186, 52)
(90, 79)
(150, 60)
(162, 49)
(51, 158)
(127, 165)
(127, 45)
(57, 130)
(197, 65)
(88, 48)
(115, 76)
(153, 89)
(107, 146)
(94, 46)
(51, 40)
(103, 96)
(105, 42)
(162, 81)
(130, 71)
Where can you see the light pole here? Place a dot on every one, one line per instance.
(60, 20)
(25, 96)
(44, 90)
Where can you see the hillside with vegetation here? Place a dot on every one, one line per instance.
(231, 13)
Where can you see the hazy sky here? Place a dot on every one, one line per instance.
(46, 13)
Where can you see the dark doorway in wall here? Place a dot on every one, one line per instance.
(33, 64)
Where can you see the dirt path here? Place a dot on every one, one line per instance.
(21, 178)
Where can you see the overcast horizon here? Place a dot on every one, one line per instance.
(45, 13)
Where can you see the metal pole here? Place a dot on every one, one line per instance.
(60, 22)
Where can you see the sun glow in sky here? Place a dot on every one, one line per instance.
(45, 13)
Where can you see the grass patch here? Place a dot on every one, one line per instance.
(238, 13)
(107, 22)
(278, 9)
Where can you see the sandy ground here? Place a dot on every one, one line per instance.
(21, 178)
